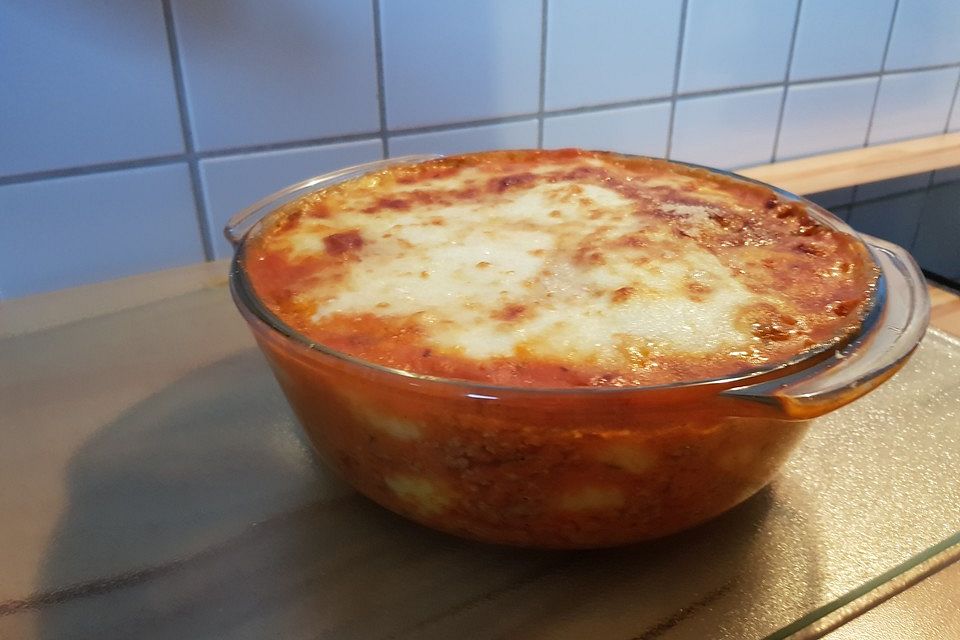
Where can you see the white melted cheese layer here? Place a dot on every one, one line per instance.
(456, 268)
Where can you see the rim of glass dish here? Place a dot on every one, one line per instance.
(243, 292)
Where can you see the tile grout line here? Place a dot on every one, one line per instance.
(920, 69)
(137, 163)
(454, 126)
(883, 68)
(676, 78)
(926, 194)
(91, 169)
(923, 206)
(608, 106)
(956, 90)
(203, 220)
(543, 72)
(381, 85)
(786, 82)
(121, 165)
(291, 145)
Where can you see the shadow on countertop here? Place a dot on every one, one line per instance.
(201, 513)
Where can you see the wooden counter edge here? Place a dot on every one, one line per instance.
(48, 310)
(829, 171)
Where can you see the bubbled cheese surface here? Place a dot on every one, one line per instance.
(558, 269)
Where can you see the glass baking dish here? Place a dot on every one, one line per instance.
(573, 467)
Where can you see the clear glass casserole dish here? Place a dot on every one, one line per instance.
(571, 467)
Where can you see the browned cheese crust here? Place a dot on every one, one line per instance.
(560, 269)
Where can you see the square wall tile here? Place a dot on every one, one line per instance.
(840, 38)
(639, 130)
(937, 246)
(262, 72)
(232, 183)
(594, 54)
(508, 135)
(913, 104)
(727, 131)
(894, 219)
(884, 188)
(926, 32)
(833, 199)
(735, 43)
(84, 83)
(449, 62)
(70, 231)
(827, 116)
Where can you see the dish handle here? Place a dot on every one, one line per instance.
(903, 305)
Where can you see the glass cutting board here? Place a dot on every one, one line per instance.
(155, 485)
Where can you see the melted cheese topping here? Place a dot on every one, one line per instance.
(559, 269)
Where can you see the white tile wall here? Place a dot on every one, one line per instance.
(913, 104)
(84, 83)
(730, 130)
(262, 72)
(206, 105)
(506, 135)
(840, 38)
(730, 43)
(926, 32)
(603, 51)
(639, 130)
(231, 183)
(459, 61)
(826, 116)
(69, 231)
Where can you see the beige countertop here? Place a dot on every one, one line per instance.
(156, 485)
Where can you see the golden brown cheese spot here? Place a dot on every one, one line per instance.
(291, 222)
(843, 308)
(500, 185)
(766, 322)
(697, 286)
(396, 204)
(559, 268)
(340, 243)
(510, 312)
(622, 294)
